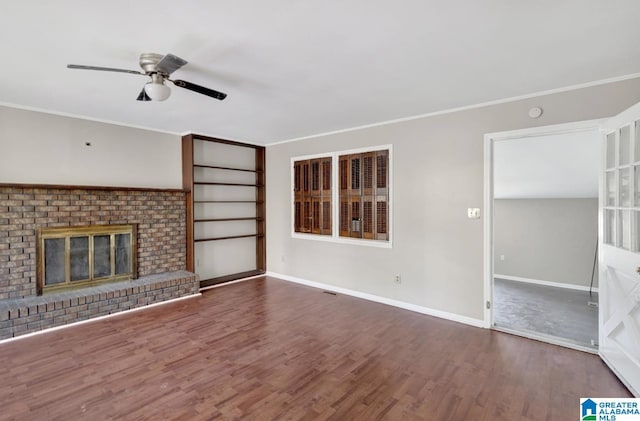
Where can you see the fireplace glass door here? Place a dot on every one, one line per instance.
(78, 256)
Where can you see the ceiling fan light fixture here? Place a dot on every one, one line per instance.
(157, 91)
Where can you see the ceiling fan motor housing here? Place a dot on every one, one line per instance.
(149, 61)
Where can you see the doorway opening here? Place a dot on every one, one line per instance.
(541, 227)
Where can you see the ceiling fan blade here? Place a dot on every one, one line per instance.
(170, 64)
(199, 89)
(105, 69)
(143, 96)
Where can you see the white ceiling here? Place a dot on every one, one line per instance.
(554, 166)
(299, 68)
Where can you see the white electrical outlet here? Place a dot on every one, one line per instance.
(502, 257)
(398, 279)
(473, 213)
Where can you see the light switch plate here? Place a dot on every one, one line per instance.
(473, 213)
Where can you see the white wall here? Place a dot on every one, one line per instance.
(438, 174)
(40, 148)
(550, 240)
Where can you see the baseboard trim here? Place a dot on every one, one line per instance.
(382, 300)
(95, 319)
(546, 283)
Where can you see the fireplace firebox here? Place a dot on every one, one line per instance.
(75, 257)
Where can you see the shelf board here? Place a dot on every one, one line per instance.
(209, 183)
(222, 279)
(197, 240)
(224, 168)
(227, 219)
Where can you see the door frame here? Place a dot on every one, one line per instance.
(488, 252)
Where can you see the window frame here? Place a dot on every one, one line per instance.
(335, 199)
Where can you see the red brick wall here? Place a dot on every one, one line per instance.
(159, 215)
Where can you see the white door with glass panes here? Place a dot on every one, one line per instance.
(619, 322)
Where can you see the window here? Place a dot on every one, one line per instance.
(312, 201)
(364, 195)
(359, 201)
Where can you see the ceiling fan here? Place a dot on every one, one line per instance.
(158, 68)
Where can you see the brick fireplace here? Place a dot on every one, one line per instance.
(159, 217)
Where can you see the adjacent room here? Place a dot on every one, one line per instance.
(546, 236)
(285, 210)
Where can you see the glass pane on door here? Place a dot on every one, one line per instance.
(101, 256)
(609, 226)
(636, 193)
(636, 230)
(54, 261)
(79, 258)
(624, 187)
(610, 186)
(625, 145)
(637, 141)
(624, 229)
(611, 150)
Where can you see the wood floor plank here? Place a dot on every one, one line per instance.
(266, 349)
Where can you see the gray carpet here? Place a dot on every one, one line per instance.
(558, 312)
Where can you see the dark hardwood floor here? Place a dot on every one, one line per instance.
(268, 349)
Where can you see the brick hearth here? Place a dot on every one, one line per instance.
(26, 315)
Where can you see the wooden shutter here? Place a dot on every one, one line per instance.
(382, 218)
(367, 218)
(355, 192)
(368, 173)
(382, 196)
(326, 197)
(305, 178)
(345, 220)
(382, 173)
(344, 214)
(302, 198)
(312, 196)
(315, 215)
(344, 175)
(326, 177)
(306, 216)
(356, 216)
(326, 217)
(364, 195)
(298, 196)
(315, 177)
(297, 216)
(355, 174)
(350, 173)
(368, 190)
